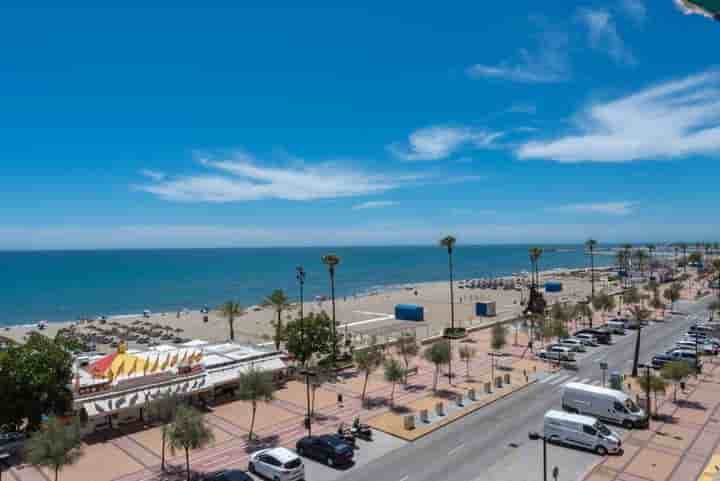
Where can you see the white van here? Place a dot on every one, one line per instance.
(581, 431)
(606, 404)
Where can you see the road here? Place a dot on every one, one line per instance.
(492, 444)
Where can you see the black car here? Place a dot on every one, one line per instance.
(660, 360)
(328, 448)
(227, 475)
(603, 336)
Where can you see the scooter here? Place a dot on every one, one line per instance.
(346, 435)
(362, 431)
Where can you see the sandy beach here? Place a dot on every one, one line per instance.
(359, 313)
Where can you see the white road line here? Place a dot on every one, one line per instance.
(549, 378)
(596, 383)
(559, 380)
(586, 380)
(455, 450)
(404, 478)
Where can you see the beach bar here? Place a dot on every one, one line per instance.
(409, 312)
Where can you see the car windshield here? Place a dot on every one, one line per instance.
(295, 463)
(602, 429)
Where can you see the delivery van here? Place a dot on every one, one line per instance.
(581, 431)
(605, 404)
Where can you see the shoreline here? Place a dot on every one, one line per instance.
(367, 309)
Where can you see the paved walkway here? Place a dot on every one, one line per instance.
(679, 447)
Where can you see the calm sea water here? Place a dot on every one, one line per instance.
(65, 285)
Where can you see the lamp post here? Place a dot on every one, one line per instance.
(647, 368)
(604, 368)
(493, 355)
(300, 276)
(534, 436)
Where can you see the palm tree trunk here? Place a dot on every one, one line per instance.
(362, 398)
(187, 462)
(57, 470)
(252, 421)
(392, 395)
(435, 377)
(278, 331)
(637, 351)
(307, 392)
(452, 314)
(407, 366)
(231, 321)
(162, 458)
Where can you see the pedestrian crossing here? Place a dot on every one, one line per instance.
(560, 378)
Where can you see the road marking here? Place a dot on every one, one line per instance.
(549, 378)
(586, 380)
(559, 380)
(404, 478)
(596, 383)
(455, 450)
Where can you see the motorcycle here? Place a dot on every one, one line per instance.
(346, 435)
(360, 430)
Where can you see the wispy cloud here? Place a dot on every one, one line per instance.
(670, 120)
(607, 208)
(548, 63)
(153, 174)
(603, 35)
(376, 204)
(690, 8)
(241, 178)
(635, 9)
(439, 142)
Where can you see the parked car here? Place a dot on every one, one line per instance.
(702, 348)
(602, 335)
(557, 353)
(328, 448)
(587, 339)
(12, 442)
(227, 475)
(278, 464)
(659, 360)
(580, 431)
(575, 344)
(616, 326)
(685, 355)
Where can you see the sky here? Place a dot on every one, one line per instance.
(209, 124)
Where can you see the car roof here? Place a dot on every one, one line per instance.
(555, 414)
(281, 454)
(230, 475)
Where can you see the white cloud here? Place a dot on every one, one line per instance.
(635, 9)
(689, 9)
(377, 204)
(239, 179)
(671, 120)
(439, 142)
(603, 35)
(550, 63)
(153, 174)
(608, 208)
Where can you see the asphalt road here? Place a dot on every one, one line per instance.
(492, 443)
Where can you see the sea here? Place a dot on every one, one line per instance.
(68, 285)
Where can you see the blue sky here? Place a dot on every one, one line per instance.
(208, 124)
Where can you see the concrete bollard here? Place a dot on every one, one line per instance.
(472, 395)
(488, 390)
(424, 416)
(440, 409)
(507, 378)
(498, 382)
(459, 400)
(409, 422)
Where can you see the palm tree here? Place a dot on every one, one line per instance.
(640, 314)
(407, 347)
(163, 409)
(55, 446)
(651, 250)
(591, 244)
(535, 253)
(230, 310)
(255, 385)
(467, 353)
(394, 373)
(189, 431)
(279, 302)
(331, 261)
(449, 243)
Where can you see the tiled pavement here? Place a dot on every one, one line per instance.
(675, 450)
(135, 456)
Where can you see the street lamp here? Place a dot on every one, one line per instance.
(493, 355)
(604, 368)
(647, 368)
(534, 436)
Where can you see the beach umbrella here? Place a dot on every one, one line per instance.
(708, 8)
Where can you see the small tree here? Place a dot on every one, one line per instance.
(189, 431)
(309, 337)
(439, 354)
(255, 385)
(498, 337)
(467, 353)
(230, 310)
(407, 348)
(394, 373)
(163, 409)
(675, 372)
(367, 361)
(55, 446)
(654, 384)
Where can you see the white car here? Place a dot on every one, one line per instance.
(703, 348)
(587, 339)
(278, 464)
(574, 344)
